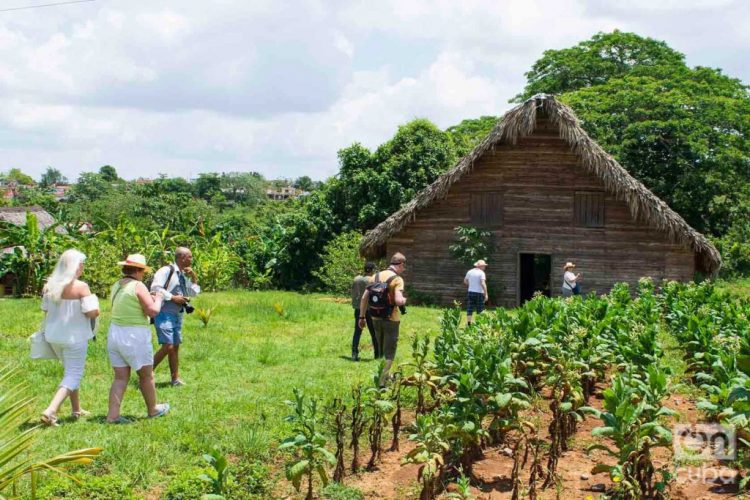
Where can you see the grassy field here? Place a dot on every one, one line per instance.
(238, 371)
(741, 287)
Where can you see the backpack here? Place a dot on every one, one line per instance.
(378, 299)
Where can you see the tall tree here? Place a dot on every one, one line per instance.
(245, 188)
(595, 61)
(52, 176)
(15, 174)
(304, 183)
(208, 186)
(684, 132)
(109, 173)
(467, 134)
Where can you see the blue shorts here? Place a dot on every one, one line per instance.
(474, 302)
(168, 328)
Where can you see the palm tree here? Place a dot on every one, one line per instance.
(15, 459)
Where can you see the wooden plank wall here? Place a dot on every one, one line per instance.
(537, 180)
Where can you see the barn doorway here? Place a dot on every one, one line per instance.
(534, 274)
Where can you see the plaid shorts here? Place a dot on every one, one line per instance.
(474, 302)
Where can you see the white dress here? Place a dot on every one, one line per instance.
(68, 331)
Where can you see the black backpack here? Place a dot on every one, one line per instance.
(378, 299)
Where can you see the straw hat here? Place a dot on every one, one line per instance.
(480, 263)
(568, 265)
(135, 260)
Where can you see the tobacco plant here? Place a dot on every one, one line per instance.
(423, 378)
(432, 445)
(378, 407)
(632, 423)
(337, 413)
(307, 445)
(357, 424)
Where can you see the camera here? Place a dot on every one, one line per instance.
(402, 309)
(187, 307)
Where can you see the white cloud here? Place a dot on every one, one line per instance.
(179, 87)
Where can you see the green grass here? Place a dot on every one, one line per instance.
(740, 286)
(238, 371)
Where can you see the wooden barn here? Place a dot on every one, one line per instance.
(549, 194)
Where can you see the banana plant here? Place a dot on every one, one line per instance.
(307, 445)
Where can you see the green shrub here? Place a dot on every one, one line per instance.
(471, 244)
(734, 247)
(90, 487)
(249, 481)
(338, 491)
(341, 263)
(215, 264)
(245, 481)
(187, 485)
(101, 269)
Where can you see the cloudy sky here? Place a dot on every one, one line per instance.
(186, 86)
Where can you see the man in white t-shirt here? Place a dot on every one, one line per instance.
(476, 281)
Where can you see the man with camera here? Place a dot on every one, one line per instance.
(384, 300)
(178, 282)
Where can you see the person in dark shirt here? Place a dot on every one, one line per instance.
(358, 289)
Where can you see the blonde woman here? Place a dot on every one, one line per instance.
(69, 307)
(129, 338)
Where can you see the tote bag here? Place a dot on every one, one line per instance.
(40, 348)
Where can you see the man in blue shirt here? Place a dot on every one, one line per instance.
(178, 281)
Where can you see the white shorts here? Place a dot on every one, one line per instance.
(130, 346)
(73, 358)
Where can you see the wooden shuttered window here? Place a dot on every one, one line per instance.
(485, 209)
(589, 209)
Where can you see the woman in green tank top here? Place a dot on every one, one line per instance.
(129, 338)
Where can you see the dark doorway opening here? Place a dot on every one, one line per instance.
(534, 275)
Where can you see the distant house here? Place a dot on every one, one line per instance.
(11, 188)
(548, 194)
(60, 191)
(17, 216)
(284, 193)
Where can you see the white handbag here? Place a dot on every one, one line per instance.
(40, 348)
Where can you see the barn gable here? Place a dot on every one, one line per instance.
(549, 194)
(521, 122)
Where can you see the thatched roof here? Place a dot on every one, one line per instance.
(17, 216)
(520, 122)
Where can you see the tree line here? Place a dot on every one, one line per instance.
(684, 132)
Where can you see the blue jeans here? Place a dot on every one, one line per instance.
(358, 334)
(168, 328)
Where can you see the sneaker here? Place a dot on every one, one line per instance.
(178, 383)
(355, 357)
(161, 410)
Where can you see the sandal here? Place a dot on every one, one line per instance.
(161, 410)
(120, 420)
(80, 413)
(50, 420)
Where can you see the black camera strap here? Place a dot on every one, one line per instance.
(169, 278)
